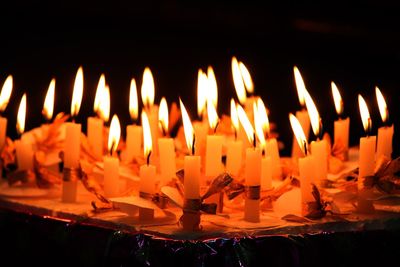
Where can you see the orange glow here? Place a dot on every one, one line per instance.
(212, 116)
(48, 106)
(163, 116)
(238, 81)
(21, 115)
(258, 126)
(263, 116)
(202, 87)
(337, 98)
(147, 142)
(187, 127)
(212, 94)
(383, 110)
(104, 108)
(301, 87)
(364, 112)
(99, 91)
(148, 90)
(114, 135)
(234, 116)
(244, 120)
(313, 113)
(298, 133)
(248, 81)
(77, 93)
(6, 93)
(133, 101)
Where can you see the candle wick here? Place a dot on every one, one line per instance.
(369, 126)
(305, 148)
(148, 158)
(320, 130)
(193, 143)
(254, 140)
(263, 152)
(216, 126)
(235, 135)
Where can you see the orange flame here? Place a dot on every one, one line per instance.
(21, 115)
(133, 101)
(244, 120)
(163, 115)
(337, 98)
(238, 81)
(301, 87)
(364, 112)
(48, 106)
(299, 133)
(77, 93)
(6, 93)
(148, 90)
(147, 142)
(187, 127)
(383, 110)
(114, 135)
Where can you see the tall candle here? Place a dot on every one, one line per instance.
(166, 147)
(4, 99)
(234, 147)
(23, 148)
(213, 165)
(341, 126)
(266, 172)
(385, 133)
(200, 132)
(133, 132)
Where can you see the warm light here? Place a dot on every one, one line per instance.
(234, 116)
(147, 88)
(133, 101)
(298, 133)
(147, 142)
(258, 125)
(301, 87)
(99, 91)
(212, 94)
(104, 108)
(364, 112)
(77, 93)
(163, 116)
(248, 82)
(238, 81)
(337, 98)
(48, 106)
(383, 110)
(263, 116)
(202, 87)
(244, 120)
(212, 115)
(114, 135)
(21, 115)
(313, 113)
(6, 93)
(187, 127)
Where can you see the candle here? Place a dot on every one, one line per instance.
(306, 165)
(385, 133)
(271, 144)
(4, 99)
(252, 171)
(234, 150)
(111, 164)
(23, 148)
(341, 126)
(201, 126)
(319, 148)
(72, 142)
(133, 132)
(147, 171)
(166, 146)
(213, 145)
(301, 115)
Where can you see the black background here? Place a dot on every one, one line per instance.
(356, 45)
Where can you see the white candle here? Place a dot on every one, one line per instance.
(266, 173)
(319, 150)
(192, 177)
(384, 146)
(341, 134)
(213, 156)
(252, 179)
(234, 157)
(272, 150)
(95, 135)
(133, 142)
(167, 159)
(24, 154)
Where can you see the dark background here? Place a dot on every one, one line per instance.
(356, 45)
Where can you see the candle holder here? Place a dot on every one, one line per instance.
(190, 219)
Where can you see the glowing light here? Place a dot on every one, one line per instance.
(114, 135)
(48, 106)
(21, 115)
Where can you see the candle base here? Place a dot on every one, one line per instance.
(364, 205)
(146, 214)
(190, 221)
(69, 191)
(252, 210)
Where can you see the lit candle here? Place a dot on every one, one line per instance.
(23, 149)
(111, 164)
(4, 99)
(385, 133)
(133, 132)
(301, 115)
(319, 148)
(252, 171)
(147, 171)
(306, 165)
(166, 146)
(366, 164)
(148, 93)
(72, 142)
(95, 124)
(271, 144)
(201, 127)
(234, 149)
(341, 126)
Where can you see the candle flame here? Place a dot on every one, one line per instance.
(133, 101)
(163, 115)
(364, 112)
(312, 113)
(298, 133)
(99, 91)
(238, 81)
(337, 98)
(48, 106)
(104, 108)
(147, 89)
(263, 116)
(212, 115)
(147, 141)
(187, 127)
(244, 120)
(21, 115)
(248, 81)
(114, 135)
(301, 87)
(212, 87)
(77, 93)
(202, 87)
(234, 116)
(6, 93)
(383, 110)
(258, 125)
